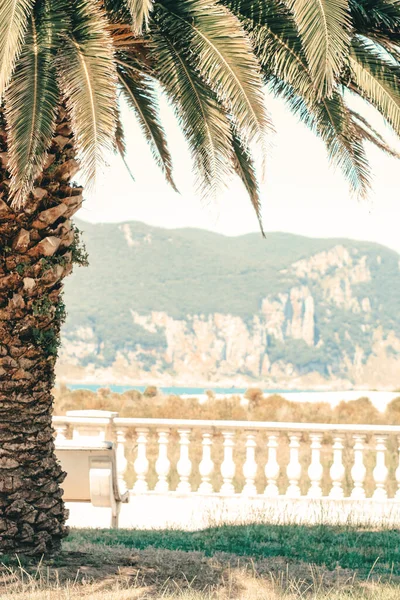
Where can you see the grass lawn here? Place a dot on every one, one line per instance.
(253, 562)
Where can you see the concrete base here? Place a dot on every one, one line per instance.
(172, 511)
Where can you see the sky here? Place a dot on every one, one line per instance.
(302, 193)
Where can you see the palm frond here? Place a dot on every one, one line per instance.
(369, 134)
(31, 102)
(223, 56)
(120, 143)
(281, 55)
(246, 169)
(257, 11)
(330, 120)
(87, 77)
(377, 17)
(141, 94)
(376, 80)
(202, 120)
(324, 27)
(140, 11)
(14, 15)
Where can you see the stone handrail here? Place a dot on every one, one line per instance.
(293, 460)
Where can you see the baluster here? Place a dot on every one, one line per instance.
(250, 466)
(272, 468)
(293, 470)
(398, 472)
(358, 470)
(61, 432)
(162, 463)
(141, 464)
(315, 470)
(122, 462)
(337, 470)
(206, 466)
(381, 471)
(184, 466)
(228, 467)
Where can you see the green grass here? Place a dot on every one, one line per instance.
(329, 546)
(255, 562)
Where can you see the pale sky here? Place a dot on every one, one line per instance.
(302, 193)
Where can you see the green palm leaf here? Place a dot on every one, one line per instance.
(246, 169)
(377, 17)
(87, 77)
(202, 120)
(324, 27)
(141, 95)
(223, 56)
(14, 16)
(376, 80)
(140, 11)
(120, 143)
(31, 103)
(281, 55)
(369, 134)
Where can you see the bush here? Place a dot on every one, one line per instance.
(151, 391)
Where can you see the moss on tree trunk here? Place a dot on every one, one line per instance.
(38, 246)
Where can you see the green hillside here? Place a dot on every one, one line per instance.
(188, 272)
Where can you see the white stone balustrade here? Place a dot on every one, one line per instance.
(293, 469)
(255, 459)
(206, 466)
(184, 466)
(162, 463)
(272, 468)
(228, 467)
(141, 464)
(398, 471)
(358, 471)
(250, 466)
(337, 471)
(381, 471)
(315, 470)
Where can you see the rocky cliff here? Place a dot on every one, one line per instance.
(191, 307)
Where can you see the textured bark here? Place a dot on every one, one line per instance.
(37, 249)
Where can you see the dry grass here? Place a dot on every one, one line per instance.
(99, 572)
(259, 408)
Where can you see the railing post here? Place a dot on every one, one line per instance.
(337, 470)
(206, 466)
(141, 464)
(315, 470)
(122, 462)
(380, 471)
(61, 431)
(250, 466)
(228, 467)
(162, 463)
(184, 466)
(293, 470)
(397, 496)
(358, 470)
(272, 468)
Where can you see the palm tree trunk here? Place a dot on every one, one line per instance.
(38, 246)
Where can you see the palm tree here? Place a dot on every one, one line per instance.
(63, 64)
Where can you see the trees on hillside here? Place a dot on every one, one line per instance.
(63, 64)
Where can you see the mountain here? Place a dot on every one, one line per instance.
(192, 307)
